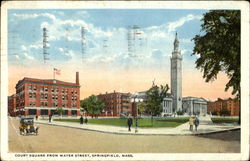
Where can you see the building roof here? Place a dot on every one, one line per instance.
(194, 98)
(54, 82)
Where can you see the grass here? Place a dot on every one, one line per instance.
(224, 120)
(144, 123)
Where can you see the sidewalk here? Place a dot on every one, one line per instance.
(179, 130)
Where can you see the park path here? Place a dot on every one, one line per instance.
(205, 127)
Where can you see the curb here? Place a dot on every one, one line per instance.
(118, 133)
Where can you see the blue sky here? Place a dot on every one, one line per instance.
(113, 67)
(103, 26)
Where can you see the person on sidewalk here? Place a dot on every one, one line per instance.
(130, 122)
(86, 120)
(196, 123)
(50, 116)
(81, 120)
(191, 123)
(36, 117)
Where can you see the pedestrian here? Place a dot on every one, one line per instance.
(196, 123)
(36, 117)
(50, 117)
(86, 120)
(136, 125)
(191, 123)
(81, 120)
(130, 122)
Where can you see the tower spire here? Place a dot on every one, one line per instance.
(176, 43)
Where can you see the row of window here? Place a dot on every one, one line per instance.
(54, 97)
(54, 104)
(45, 89)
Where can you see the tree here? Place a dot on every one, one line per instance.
(59, 111)
(224, 112)
(218, 47)
(155, 96)
(141, 107)
(92, 105)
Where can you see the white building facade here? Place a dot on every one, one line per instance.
(194, 106)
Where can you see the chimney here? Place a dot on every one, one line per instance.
(77, 78)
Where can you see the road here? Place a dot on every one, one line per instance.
(55, 139)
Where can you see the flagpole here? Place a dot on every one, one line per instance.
(54, 73)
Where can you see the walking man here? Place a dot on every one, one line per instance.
(81, 120)
(191, 123)
(50, 116)
(196, 123)
(130, 122)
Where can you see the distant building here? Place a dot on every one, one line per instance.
(194, 105)
(12, 105)
(116, 103)
(232, 105)
(167, 105)
(44, 96)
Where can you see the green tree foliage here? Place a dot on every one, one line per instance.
(59, 111)
(92, 105)
(218, 47)
(224, 112)
(141, 107)
(155, 96)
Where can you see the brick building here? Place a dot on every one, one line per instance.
(232, 105)
(12, 105)
(44, 96)
(116, 103)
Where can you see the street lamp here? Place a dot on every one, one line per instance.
(134, 101)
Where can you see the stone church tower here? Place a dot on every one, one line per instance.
(176, 77)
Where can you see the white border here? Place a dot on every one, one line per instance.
(242, 5)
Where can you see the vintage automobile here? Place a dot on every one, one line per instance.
(27, 126)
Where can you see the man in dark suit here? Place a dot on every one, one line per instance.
(130, 122)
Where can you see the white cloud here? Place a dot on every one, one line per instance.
(24, 48)
(34, 15)
(17, 56)
(36, 46)
(83, 13)
(44, 24)
(173, 25)
(28, 56)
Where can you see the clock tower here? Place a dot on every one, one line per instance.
(176, 76)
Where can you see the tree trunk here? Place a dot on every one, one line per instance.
(152, 119)
(239, 121)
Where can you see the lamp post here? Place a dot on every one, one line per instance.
(134, 101)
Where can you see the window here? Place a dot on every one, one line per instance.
(34, 88)
(30, 95)
(42, 96)
(63, 90)
(30, 87)
(53, 96)
(34, 95)
(46, 103)
(46, 96)
(52, 90)
(56, 97)
(46, 89)
(42, 89)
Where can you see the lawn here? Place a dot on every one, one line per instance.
(144, 123)
(224, 120)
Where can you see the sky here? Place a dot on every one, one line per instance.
(108, 63)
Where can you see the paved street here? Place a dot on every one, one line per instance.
(56, 139)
